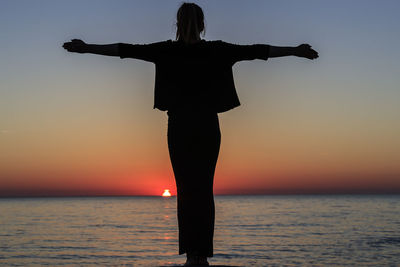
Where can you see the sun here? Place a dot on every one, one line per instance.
(166, 193)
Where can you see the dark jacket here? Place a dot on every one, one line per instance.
(194, 76)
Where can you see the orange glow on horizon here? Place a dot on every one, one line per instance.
(166, 193)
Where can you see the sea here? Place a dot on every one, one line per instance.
(286, 230)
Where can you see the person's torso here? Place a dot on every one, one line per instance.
(194, 75)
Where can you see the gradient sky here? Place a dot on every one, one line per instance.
(73, 124)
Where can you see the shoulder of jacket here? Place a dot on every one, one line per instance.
(216, 41)
(162, 43)
(221, 43)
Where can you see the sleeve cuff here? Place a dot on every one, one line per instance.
(264, 52)
(122, 48)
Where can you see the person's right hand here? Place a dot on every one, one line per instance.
(75, 45)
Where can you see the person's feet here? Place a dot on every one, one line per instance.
(196, 260)
(202, 261)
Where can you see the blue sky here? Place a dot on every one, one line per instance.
(337, 114)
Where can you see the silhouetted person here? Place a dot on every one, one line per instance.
(194, 82)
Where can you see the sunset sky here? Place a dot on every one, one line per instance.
(81, 124)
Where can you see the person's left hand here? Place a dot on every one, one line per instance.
(305, 50)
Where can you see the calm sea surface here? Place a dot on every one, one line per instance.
(250, 231)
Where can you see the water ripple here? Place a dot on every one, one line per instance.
(250, 231)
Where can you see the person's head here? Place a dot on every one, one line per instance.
(189, 23)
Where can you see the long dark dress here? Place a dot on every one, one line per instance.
(193, 142)
(194, 83)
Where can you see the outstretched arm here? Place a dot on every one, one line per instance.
(80, 46)
(303, 50)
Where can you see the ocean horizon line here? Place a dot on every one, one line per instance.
(217, 195)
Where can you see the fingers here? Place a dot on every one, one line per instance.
(314, 54)
(70, 47)
(66, 45)
(309, 52)
(77, 41)
(75, 45)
